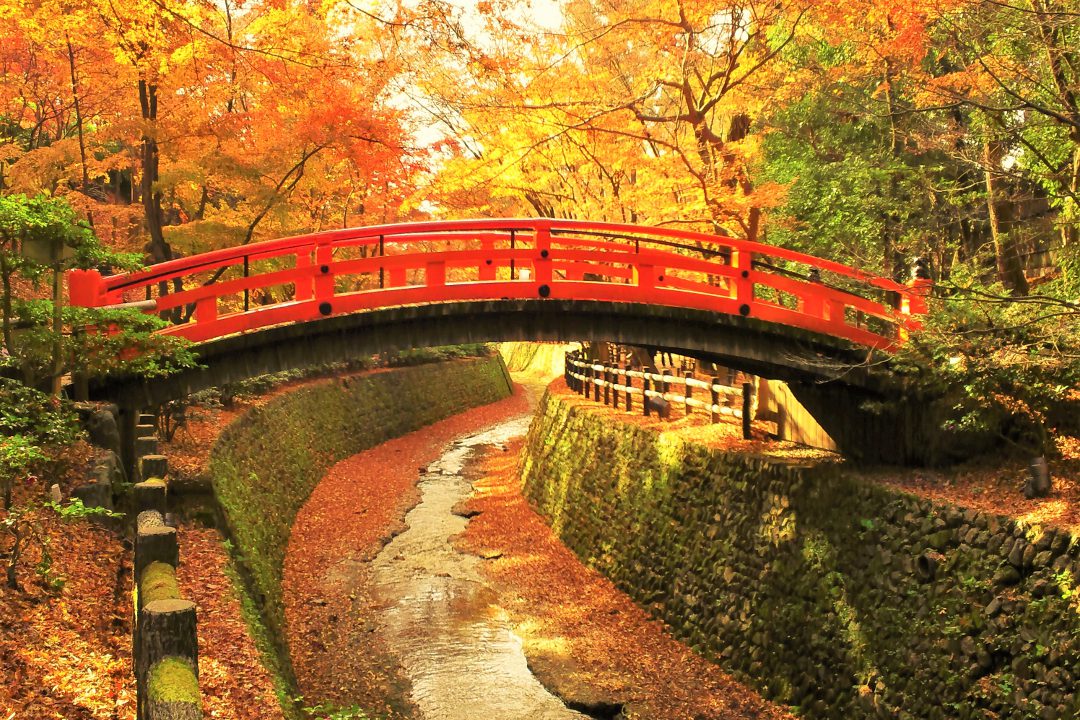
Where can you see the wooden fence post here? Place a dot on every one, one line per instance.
(714, 407)
(665, 386)
(629, 388)
(687, 393)
(645, 387)
(607, 385)
(166, 629)
(747, 389)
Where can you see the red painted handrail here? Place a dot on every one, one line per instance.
(307, 277)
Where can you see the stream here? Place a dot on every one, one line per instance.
(453, 640)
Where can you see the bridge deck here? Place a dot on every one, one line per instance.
(309, 277)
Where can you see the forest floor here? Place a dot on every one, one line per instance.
(65, 638)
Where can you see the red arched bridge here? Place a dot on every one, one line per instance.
(309, 277)
(296, 301)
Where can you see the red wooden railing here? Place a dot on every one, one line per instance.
(308, 277)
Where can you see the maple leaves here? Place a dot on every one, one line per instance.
(210, 115)
(636, 112)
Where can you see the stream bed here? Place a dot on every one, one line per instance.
(444, 623)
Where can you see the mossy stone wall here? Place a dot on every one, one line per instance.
(265, 465)
(840, 597)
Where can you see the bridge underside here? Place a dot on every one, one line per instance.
(825, 373)
(754, 346)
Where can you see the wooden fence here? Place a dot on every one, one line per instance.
(607, 383)
(164, 638)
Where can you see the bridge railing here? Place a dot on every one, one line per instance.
(307, 277)
(606, 383)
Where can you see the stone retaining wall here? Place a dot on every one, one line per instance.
(843, 598)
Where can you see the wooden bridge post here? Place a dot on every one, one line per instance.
(743, 261)
(714, 406)
(305, 287)
(487, 265)
(324, 279)
(629, 388)
(645, 387)
(542, 274)
(687, 393)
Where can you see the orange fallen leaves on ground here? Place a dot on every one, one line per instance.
(233, 681)
(66, 653)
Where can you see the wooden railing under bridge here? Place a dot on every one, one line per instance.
(607, 383)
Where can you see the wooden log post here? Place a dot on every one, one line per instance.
(165, 629)
(687, 393)
(154, 542)
(747, 395)
(607, 385)
(150, 495)
(714, 407)
(158, 582)
(153, 466)
(629, 388)
(146, 445)
(173, 691)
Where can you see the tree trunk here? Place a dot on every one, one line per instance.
(1010, 270)
(57, 331)
(892, 263)
(5, 277)
(158, 249)
(78, 114)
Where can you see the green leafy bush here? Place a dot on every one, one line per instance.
(1005, 365)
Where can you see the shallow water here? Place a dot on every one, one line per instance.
(443, 622)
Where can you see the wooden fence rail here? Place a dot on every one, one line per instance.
(594, 380)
